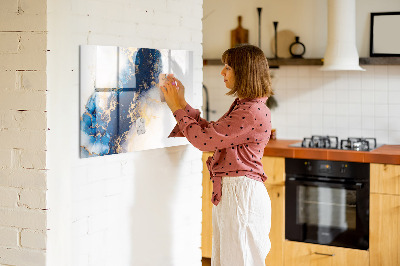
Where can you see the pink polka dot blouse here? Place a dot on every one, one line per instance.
(238, 139)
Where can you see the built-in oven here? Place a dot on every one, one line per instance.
(327, 202)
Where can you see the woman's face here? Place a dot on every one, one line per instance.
(229, 76)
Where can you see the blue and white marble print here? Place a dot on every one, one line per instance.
(121, 103)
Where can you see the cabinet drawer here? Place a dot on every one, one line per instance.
(304, 254)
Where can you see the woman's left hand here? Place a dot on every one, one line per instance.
(171, 95)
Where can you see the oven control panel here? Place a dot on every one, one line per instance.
(338, 169)
(325, 167)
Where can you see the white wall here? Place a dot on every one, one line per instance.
(306, 19)
(140, 208)
(23, 133)
(311, 102)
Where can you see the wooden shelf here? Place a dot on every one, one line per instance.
(274, 63)
(380, 61)
(212, 62)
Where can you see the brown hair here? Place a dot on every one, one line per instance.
(250, 66)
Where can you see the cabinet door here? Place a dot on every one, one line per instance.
(206, 232)
(274, 168)
(384, 230)
(304, 254)
(385, 178)
(277, 233)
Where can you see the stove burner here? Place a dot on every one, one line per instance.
(358, 144)
(328, 142)
(332, 142)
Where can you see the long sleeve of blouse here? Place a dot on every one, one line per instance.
(238, 139)
(193, 113)
(229, 131)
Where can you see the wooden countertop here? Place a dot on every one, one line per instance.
(389, 154)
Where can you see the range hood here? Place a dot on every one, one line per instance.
(341, 51)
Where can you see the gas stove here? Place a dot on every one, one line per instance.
(332, 142)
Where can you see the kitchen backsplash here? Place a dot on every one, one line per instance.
(314, 102)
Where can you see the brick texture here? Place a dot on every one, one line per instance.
(17, 256)
(23, 218)
(30, 55)
(33, 199)
(23, 178)
(8, 80)
(23, 119)
(9, 237)
(97, 196)
(33, 239)
(10, 42)
(8, 197)
(144, 193)
(23, 125)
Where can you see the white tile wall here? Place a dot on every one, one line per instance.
(313, 102)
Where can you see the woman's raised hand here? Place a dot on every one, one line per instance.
(181, 92)
(173, 94)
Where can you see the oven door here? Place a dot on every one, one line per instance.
(327, 213)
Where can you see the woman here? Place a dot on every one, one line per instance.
(242, 211)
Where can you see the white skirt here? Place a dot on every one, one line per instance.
(241, 223)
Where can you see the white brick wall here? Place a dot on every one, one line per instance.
(11, 256)
(23, 178)
(33, 239)
(119, 210)
(23, 132)
(9, 237)
(23, 16)
(9, 197)
(140, 208)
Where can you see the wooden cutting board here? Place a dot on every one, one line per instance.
(239, 35)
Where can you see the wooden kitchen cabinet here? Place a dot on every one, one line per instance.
(385, 215)
(206, 225)
(384, 236)
(274, 168)
(277, 233)
(305, 254)
(385, 178)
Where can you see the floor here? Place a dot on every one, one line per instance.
(206, 261)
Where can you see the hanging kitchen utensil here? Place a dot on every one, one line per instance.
(239, 35)
(259, 9)
(276, 38)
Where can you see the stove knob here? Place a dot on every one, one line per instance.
(343, 168)
(308, 166)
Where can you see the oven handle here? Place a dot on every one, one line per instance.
(357, 185)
